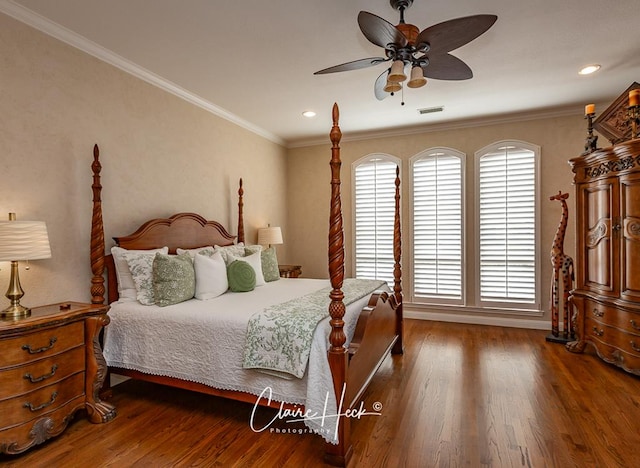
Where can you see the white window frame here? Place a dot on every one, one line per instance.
(369, 157)
(424, 154)
(512, 306)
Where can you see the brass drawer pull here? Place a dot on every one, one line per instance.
(27, 347)
(634, 347)
(54, 395)
(598, 332)
(33, 379)
(598, 313)
(634, 325)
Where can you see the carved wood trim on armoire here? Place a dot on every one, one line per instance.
(607, 288)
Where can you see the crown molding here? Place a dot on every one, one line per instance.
(73, 39)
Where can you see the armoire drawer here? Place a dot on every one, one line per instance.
(609, 315)
(616, 354)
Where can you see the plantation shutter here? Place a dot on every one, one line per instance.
(374, 181)
(507, 225)
(438, 227)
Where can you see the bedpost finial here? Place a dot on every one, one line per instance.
(240, 212)
(335, 135)
(95, 166)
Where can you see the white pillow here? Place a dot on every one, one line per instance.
(193, 252)
(211, 276)
(141, 267)
(236, 250)
(126, 287)
(256, 263)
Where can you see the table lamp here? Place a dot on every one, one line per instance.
(21, 240)
(269, 236)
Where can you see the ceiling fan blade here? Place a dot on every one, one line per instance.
(378, 87)
(355, 65)
(379, 31)
(449, 35)
(446, 67)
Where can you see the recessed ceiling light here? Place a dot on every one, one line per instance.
(309, 114)
(589, 69)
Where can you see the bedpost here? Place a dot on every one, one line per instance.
(240, 213)
(97, 233)
(398, 347)
(337, 354)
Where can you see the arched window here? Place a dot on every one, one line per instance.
(507, 225)
(374, 207)
(437, 203)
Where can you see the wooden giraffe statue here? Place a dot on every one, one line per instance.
(562, 274)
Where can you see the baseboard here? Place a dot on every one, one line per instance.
(477, 319)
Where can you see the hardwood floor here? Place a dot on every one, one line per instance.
(462, 395)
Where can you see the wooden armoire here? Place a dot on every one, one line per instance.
(607, 284)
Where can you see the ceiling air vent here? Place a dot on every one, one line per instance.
(430, 110)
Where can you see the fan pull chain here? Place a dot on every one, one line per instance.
(402, 91)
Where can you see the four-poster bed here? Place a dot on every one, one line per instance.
(375, 330)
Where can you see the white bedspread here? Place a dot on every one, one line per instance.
(203, 341)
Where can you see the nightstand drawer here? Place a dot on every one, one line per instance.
(23, 379)
(40, 344)
(33, 404)
(17, 439)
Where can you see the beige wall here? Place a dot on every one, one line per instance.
(309, 175)
(160, 155)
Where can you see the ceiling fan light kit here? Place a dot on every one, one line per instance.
(392, 87)
(417, 78)
(396, 75)
(426, 52)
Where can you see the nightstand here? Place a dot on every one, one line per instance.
(51, 366)
(290, 271)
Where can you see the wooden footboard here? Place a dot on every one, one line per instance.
(376, 335)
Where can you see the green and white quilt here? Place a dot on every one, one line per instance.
(279, 337)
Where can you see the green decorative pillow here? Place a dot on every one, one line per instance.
(141, 268)
(174, 279)
(241, 276)
(270, 268)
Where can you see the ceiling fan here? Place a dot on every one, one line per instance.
(426, 52)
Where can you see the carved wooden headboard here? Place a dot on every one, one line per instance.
(182, 230)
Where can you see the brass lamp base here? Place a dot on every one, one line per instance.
(15, 311)
(14, 294)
